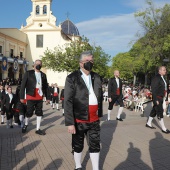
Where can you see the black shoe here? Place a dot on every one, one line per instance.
(24, 129)
(58, 109)
(107, 119)
(53, 108)
(63, 114)
(120, 119)
(78, 169)
(151, 127)
(2, 123)
(167, 131)
(40, 132)
(11, 126)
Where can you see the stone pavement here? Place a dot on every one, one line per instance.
(126, 145)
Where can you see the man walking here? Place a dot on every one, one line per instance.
(159, 90)
(115, 95)
(35, 84)
(82, 109)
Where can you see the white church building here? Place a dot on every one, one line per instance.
(19, 48)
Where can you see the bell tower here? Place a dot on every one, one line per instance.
(41, 15)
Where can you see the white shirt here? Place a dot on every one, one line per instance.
(164, 82)
(55, 90)
(92, 96)
(10, 97)
(117, 81)
(38, 82)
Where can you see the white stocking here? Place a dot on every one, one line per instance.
(119, 112)
(21, 118)
(11, 120)
(108, 114)
(95, 160)
(150, 121)
(2, 118)
(27, 120)
(57, 105)
(38, 122)
(77, 159)
(162, 124)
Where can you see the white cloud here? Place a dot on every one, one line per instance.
(112, 33)
(142, 5)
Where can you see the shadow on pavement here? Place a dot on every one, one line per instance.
(133, 160)
(14, 152)
(55, 164)
(107, 130)
(159, 148)
(30, 165)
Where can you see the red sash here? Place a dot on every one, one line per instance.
(92, 115)
(15, 110)
(25, 101)
(55, 94)
(36, 96)
(118, 91)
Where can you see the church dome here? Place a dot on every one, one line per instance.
(69, 28)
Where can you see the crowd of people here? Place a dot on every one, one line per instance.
(10, 81)
(132, 95)
(55, 98)
(13, 109)
(20, 105)
(82, 103)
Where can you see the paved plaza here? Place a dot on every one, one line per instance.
(126, 145)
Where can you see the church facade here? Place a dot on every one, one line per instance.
(19, 48)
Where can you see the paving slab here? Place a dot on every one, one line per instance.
(126, 145)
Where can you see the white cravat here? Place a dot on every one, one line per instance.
(117, 81)
(92, 96)
(10, 97)
(38, 82)
(164, 82)
(55, 90)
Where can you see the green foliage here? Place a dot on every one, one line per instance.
(67, 59)
(156, 25)
(149, 51)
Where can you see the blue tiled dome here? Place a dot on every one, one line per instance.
(69, 28)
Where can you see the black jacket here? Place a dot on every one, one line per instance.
(112, 87)
(158, 88)
(6, 102)
(62, 94)
(76, 97)
(52, 90)
(1, 94)
(29, 83)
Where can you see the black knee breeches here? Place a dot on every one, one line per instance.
(34, 105)
(92, 130)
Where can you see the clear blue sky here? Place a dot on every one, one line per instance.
(107, 23)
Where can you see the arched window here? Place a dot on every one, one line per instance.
(45, 9)
(37, 9)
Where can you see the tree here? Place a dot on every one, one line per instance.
(101, 60)
(146, 63)
(67, 59)
(156, 25)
